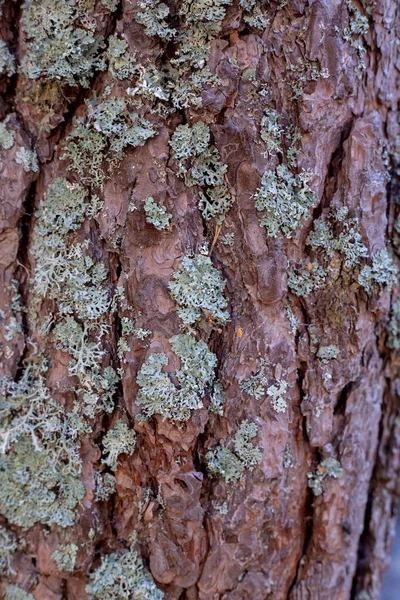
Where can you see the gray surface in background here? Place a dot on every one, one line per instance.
(391, 580)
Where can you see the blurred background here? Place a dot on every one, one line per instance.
(391, 581)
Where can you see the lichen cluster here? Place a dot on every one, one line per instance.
(231, 465)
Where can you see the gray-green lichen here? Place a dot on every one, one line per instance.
(284, 201)
(65, 557)
(121, 63)
(327, 353)
(108, 129)
(156, 215)
(382, 273)
(393, 327)
(198, 288)
(231, 465)
(29, 160)
(8, 545)
(152, 15)
(338, 234)
(40, 463)
(58, 46)
(7, 60)
(329, 467)
(199, 163)
(15, 592)
(261, 385)
(122, 577)
(104, 486)
(6, 136)
(159, 395)
(119, 440)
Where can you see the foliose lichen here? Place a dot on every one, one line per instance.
(231, 465)
(393, 327)
(284, 200)
(198, 289)
(382, 273)
(103, 135)
(59, 47)
(6, 136)
(261, 385)
(65, 557)
(159, 395)
(330, 467)
(40, 464)
(119, 440)
(29, 160)
(122, 577)
(327, 353)
(7, 60)
(156, 215)
(15, 592)
(199, 164)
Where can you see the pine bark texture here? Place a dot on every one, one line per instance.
(275, 539)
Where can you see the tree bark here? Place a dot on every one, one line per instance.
(288, 527)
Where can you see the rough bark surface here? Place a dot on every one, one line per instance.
(274, 538)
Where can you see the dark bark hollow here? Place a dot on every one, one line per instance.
(199, 318)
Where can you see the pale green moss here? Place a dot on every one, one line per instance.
(284, 201)
(65, 557)
(159, 395)
(198, 289)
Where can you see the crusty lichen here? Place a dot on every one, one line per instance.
(6, 136)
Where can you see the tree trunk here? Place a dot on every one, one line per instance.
(199, 316)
